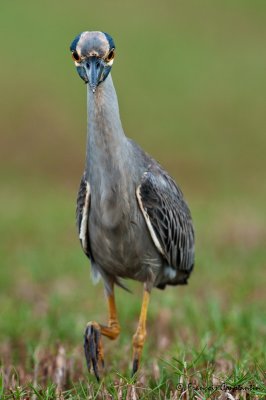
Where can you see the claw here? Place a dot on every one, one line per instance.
(93, 348)
(135, 366)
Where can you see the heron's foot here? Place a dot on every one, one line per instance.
(93, 348)
(140, 335)
(138, 343)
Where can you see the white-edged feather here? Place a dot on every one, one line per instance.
(95, 274)
(84, 220)
(148, 222)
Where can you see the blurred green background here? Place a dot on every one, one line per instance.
(191, 83)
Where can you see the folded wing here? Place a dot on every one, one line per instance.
(168, 218)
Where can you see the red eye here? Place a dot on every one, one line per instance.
(110, 56)
(76, 56)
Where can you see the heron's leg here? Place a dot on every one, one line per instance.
(112, 330)
(92, 339)
(140, 335)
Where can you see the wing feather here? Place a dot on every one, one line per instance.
(168, 218)
(82, 213)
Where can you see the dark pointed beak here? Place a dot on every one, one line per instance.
(94, 68)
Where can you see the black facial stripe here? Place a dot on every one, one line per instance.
(105, 73)
(74, 43)
(110, 41)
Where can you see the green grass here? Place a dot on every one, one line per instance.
(208, 333)
(192, 89)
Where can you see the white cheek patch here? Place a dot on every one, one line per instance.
(110, 63)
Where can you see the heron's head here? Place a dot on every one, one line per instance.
(93, 54)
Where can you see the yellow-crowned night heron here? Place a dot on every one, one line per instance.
(132, 219)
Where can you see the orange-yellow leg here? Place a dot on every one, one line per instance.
(140, 335)
(92, 339)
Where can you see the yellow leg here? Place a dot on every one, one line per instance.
(92, 339)
(140, 335)
(113, 329)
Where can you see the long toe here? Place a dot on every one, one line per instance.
(93, 348)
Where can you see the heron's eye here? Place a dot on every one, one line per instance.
(76, 56)
(110, 56)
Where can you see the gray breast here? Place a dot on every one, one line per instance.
(119, 238)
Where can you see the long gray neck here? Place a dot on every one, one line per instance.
(105, 133)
